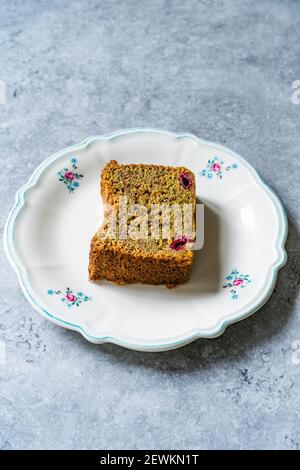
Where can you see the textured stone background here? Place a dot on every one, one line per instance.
(222, 70)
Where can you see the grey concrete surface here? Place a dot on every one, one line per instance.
(222, 70)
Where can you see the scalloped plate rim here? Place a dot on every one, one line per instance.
(220, 327)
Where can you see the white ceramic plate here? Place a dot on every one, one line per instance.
(48, 233)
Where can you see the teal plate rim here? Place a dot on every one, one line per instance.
(20, 201)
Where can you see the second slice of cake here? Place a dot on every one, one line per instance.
(149, 225)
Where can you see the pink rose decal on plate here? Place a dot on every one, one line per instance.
(69, 298)
(215, 167)
(70, 177)
(238, 282)
(234, 281)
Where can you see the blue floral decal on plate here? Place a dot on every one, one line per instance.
(70, 177)
(69, 298)
(215, 167)
(235, 281)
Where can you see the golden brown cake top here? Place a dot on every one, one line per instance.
(147, 184)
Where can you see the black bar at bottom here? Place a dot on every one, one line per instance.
(133, 459)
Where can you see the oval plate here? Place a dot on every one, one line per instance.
(48, 233)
